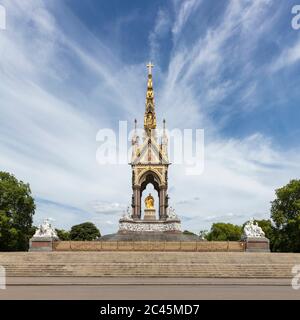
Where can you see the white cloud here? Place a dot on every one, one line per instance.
(161, 27)
(109, 208)
(287, 58)
(45, 139)
(185, 9)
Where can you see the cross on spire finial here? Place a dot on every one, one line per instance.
(150, 65)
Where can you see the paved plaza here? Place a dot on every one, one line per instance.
(147, 288)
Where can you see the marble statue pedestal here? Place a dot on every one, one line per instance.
(41, 244)
(149, 215)
(256, 244)
(43, 238)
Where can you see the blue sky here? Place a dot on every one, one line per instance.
(69, 68)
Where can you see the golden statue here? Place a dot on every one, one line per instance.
(149, 202)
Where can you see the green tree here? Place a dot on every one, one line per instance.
(63, 235)
(16, 212)
(84, 232)
(285, 212)
(224, 232)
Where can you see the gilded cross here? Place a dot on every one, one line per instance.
(150, 66)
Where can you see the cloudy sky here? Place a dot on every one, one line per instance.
(69, 68)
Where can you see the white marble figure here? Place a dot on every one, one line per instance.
(45, 230)
(171, 215)
(253, 230)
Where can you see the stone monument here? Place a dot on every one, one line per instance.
(43, 238)
(254, 238)
(149, 165)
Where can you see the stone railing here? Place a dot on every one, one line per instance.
(198, 246)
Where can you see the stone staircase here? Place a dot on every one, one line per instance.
(150, 264)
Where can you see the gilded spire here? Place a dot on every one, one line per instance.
(150, 117)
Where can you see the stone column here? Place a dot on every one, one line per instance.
(136, 202)
(139, 208)
(162, 203)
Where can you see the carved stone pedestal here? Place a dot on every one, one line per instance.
(149, 215)
(256, 244)
(41, 244)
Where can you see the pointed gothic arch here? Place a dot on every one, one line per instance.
(149, 176)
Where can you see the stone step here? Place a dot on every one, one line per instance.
(173, 257)
(152, 274)
(273, 267)
(145, 270)
(180, 262)
(149, 264)
(123, 270)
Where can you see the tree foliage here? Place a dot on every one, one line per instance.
(84, 232)
(16, 212)
(285, 212)
(224, 232)
(63, 235)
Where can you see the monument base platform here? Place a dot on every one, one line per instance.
(150, 236)
(150, 229)
(257, 244)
